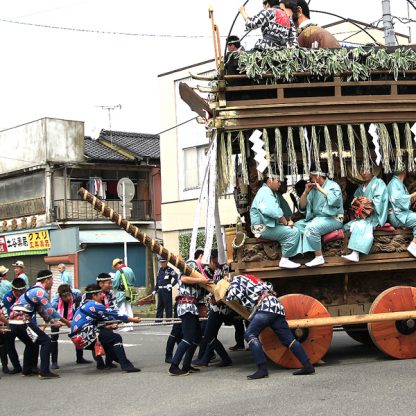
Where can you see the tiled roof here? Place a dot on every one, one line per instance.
(143, 145)
(93, 149)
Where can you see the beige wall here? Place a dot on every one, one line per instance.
(178, 206)
(41, 141)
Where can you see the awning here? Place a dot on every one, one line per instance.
(105, 237)
(24, 253)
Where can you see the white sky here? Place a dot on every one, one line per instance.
(66, 74)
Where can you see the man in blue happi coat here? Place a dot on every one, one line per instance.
(400, 204)
(322, 204)
(85, 330)
(361, 238)
(268, 221)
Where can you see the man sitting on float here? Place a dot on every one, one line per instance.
(369, 207)
(269, 222)
(321, 202)
(400, 203)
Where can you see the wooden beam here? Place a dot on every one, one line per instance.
(352, 320)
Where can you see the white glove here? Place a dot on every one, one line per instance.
(169, 287)
(154, 292)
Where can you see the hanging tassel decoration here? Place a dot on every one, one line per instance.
(222, 173)
(409, 148)
(315, 150)
(385, 146)
(304, 151)
(341, 151)
(244, 169)
(293, 166)
(330, 156)
(351, 140)
(267, 149)
(230, 157)
(399, 154)
(279, 153)
(366, 150)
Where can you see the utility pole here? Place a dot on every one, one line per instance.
(410, 23)
(389, 35)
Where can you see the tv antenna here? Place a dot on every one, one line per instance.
(109, 108)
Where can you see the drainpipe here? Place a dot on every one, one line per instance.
(48, 194)
(65, 195)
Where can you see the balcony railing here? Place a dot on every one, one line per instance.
(79, 210)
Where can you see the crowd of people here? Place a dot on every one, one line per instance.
(321, 209)
(94, 316)
(91, 318)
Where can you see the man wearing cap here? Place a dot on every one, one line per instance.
(18, 287)
(322, 204)
(166, 279)
(66, 278)
(123, 282)
(84, 328)
(268, 221)
(19, 271)
(361, 238)
(400, 204)
(5, 285)
(66, 302)
(36, 299)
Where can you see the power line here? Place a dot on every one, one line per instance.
(103, 32)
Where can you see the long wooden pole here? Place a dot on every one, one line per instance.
(352, 320)
(155, 247)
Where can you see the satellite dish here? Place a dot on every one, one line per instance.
(129, 189)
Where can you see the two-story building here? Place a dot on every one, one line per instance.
(44, 163)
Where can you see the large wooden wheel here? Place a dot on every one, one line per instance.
(395, 338)
(315, 341)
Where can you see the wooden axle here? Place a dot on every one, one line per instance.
(352, 320)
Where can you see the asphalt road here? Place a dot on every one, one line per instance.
(356, 380)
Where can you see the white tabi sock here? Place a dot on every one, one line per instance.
(317, 261)
(354, 256)
(412, 249)
(285, 263)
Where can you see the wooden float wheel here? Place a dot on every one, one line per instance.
(315, 341)
(359, 333)
(395, 338)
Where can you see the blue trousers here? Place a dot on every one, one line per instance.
(280, 327)
(191, 330)
(164, 303)
(30, 355)
(210, 341)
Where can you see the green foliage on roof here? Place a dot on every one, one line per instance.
(353, 64)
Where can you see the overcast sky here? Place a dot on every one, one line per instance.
(49, 72)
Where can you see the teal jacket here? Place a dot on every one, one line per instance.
(376, 191)
(319, 205)
(399, 199)
(118, 285)
(266, 208)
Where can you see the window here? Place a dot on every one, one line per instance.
(194, 163)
